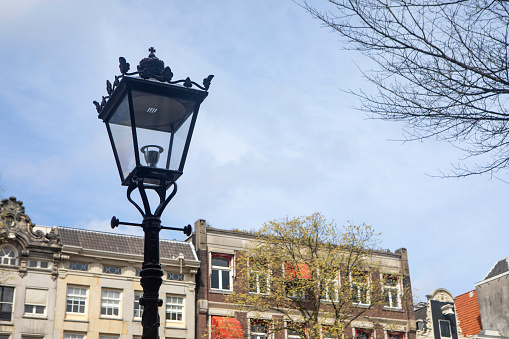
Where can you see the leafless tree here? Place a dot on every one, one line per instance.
(442, 69)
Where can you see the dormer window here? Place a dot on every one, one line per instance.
(8, 256)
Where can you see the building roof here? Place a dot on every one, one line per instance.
(420, 311)
(467, 308)
(121, 243)
(500, 267)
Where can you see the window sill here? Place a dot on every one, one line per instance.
(76, 321)
(6, 323)
(221, 291)
(110, 318)
(362, 305)
(393, 309)
(33, 316)
(176, 328)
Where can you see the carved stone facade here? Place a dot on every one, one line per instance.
(59, 282)
(437, 317)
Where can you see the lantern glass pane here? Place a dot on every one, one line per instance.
(162, 123)
(120, 126)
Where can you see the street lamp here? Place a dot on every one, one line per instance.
(150, 121)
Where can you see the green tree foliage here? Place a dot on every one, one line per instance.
(310, 272)
(442, 69)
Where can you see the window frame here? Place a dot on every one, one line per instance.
(356, 284)
(442, 321)
(334, 283)
(220, 270)
(177, 308)
(368, 332)
(38, 264)
(137, 306)
(78, 297)
(401, 335)
(34, 312)
(107, 269)
(74, 335)
(7, 302)
(83, 265)
(111, 303)
(391, 289)
(4, 255)
(253, 273)
(258, 335)
(171, 275)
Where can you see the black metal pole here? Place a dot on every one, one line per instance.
(151, 278)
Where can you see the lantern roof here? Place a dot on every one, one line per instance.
(148, 68)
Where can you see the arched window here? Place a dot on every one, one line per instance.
(8, 256)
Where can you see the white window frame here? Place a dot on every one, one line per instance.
(34, 306)
(258, 335)
(176, 308)
(38, 264)
(390, 290)
(440, 322)
(8, 255)
(72, 335)
(108, 336)
(357, 284)
(220, 270)
(76, 297)
(111, 300)
(11, 302)
(335, 284)
(138, 308)
(256, 275)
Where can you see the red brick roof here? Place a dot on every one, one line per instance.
(467, 308)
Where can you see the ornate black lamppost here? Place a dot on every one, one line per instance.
(150, 121)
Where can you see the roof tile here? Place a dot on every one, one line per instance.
(129, 244)
(467, 308)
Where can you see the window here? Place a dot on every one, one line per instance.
(76, 299)
(138, 272)
(78, 266)
(174, 308)
(175, 276)
(38, 264)
(138, 309)
(110, 302)
(328, 333)
(8, 256)
(292, 333)
(258, 277)
(35, 301)
(360, 291)
(74, 336)
(259, 329)
(112, 269)
(4, 336)
(329, 284)
(391, 291)
(6, 299)
(395, 335)
(298, 280)
(221, 276)
(445, 328)
(32, 337)
(362, 333)
(104, 336)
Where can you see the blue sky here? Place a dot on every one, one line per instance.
(276, 137)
